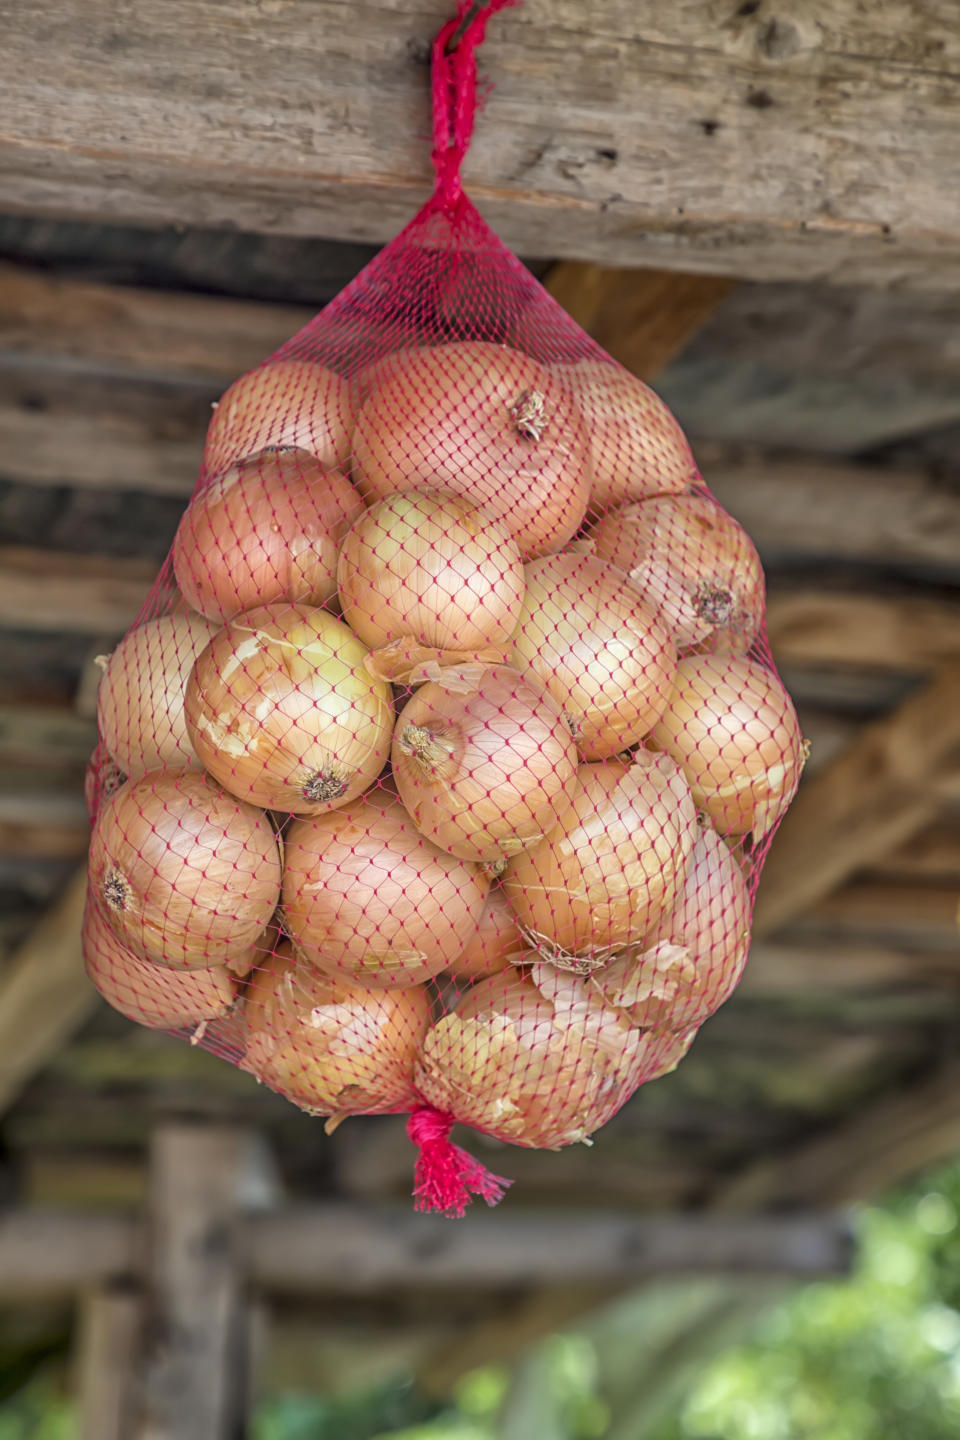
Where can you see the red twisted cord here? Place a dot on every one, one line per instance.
(454, 93)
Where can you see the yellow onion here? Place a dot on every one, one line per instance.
(693, 961)
(140, 701)
(495, 944)
(732, 729)
(281, 710)
(693, 565)
(188, 876)
(536, 1060)
(283, 403)
(600, 651)
(636, 446)
(333, 1048)
(484, 762)
(367, 898)
(150, 994)
(433, 568)
(485, 422)
(267, 529)
(614, 861)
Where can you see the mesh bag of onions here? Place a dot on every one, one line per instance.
(437, 774)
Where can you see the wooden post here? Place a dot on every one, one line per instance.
(110, 1337)
(195, 1371)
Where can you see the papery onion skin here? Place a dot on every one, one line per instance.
(431, 567)
(694, 959)
(333, 1048)
(287, 403)
(599, 650)
(613, 863)
(732, 729)
(188, 876)
(140, 700)
(637, 447)
(495, 944)
(281, 710)
(367, 898)
(486, 422)
(148, 994)
(483, 762)
(693, 565)
(511, 1062)
(267, 529)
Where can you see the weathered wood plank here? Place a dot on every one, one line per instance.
(933, 857)
(114, 329)
(786, 969)
(54, 590)
(810, 626)
(110, 1321)
(739, 141)
(44, 992)
(353, 1251)
(916, 916)
(643, 318)
(881, 790)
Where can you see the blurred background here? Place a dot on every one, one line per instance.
(764, 1244)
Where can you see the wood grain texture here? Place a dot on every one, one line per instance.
(716, 138)
(811, 626)
(54, 590)
(878, 792)
(109, 1337)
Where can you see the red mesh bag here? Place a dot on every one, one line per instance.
(437, 774)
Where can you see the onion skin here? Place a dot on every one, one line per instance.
(693, 565)
(140, 700)
(614, 862)
(484, 763)
(637, 448)
(332, 1048)
(732, 729)
(433, 568)
(281, 710)
(538, 1069)
(693, 962)
(485, 422)
(285, 403)
(495, 944)
(187, 875)
(599, 650)
(267, 529)
(368, 899)
(149, 994)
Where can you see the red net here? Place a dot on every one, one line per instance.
(437, 774)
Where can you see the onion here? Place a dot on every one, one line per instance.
(615, 860)
(149, 994)
(333, 1048)
(603, 656)
(282, 711)
(484, 762)
(495, 943)
(371, 376)
(366, 896)
(693, 565)
(636, 446)
(733, 730)
(140, 701)
(433, 568)
(694, 961)
(538, 1067)
(282, 403)
(189, 877)
(267, 529)
(485, 422)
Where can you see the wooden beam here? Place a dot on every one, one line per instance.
(881, 790)
(693, 165)
(57, 590)
(791, 969)
(194, 1306)
(360, 1251)
(812, 626)
(110, 1334)
(44, 992)
(796, 506)
(47, 320)
(643, 318)
(47, 735)
(881, 1145)
(919, 917)
(932, 857)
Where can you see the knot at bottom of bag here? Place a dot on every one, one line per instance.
(446, 1177)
